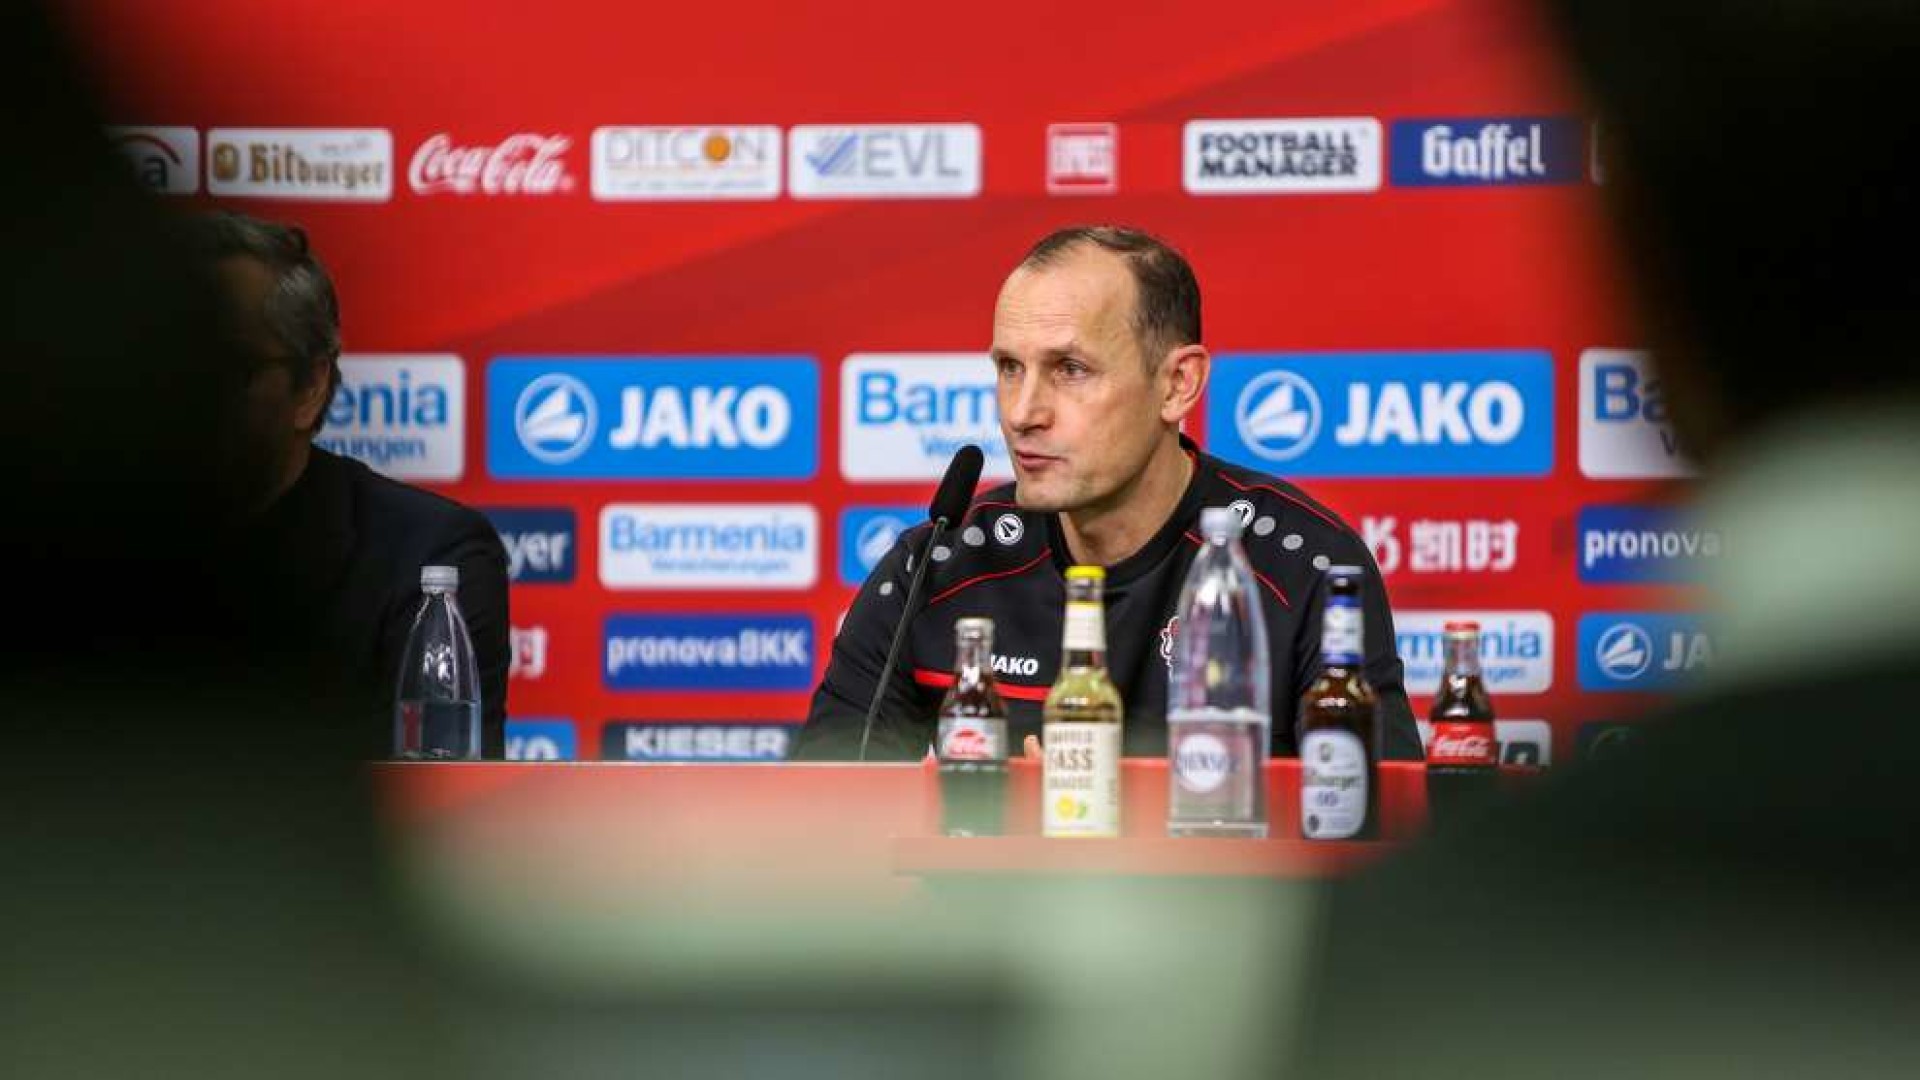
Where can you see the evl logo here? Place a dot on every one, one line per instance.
(539, 542)
(653, 418)
(867, 533)
(1385, 414)
(1641, 650)
(542, 740)
(1509, 150)
(883, 161)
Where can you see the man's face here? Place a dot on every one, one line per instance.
(270, 427)
(1080, 414)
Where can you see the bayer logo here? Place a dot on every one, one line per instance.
(1278, 415)
(555, 418)
(1624, 652)
(875, 539)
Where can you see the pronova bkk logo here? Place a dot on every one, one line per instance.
(653, 418)
(709, 652)
(1385, 414)
(402, 414)
(1643, 545)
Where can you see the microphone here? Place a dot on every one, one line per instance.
(949, 506)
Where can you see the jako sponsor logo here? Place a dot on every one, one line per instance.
(695, 742)
(539, 543)
(867, 533)
(523, 164)
(1526, 150)
(883, 161)
(903, 415)
(404, 415)
(165, 159)
(619, 418)
(1281, 157)
(708, 546)
(1516, 649)
(709, 652)
(542, 740)
(1624, 430)
(1643, 544)
(1386, 414)
(1641, 650)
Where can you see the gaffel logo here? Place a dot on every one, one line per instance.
(1624, 652)
(1504, 150)
(1278, 415)
(555, 418)
(522, 164)
(1008, 529)
(165, 159)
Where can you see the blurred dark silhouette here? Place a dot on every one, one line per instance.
(1734, 896)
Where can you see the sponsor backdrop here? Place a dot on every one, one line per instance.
(693, 302)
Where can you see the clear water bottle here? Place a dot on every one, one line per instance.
(436, 711)
(1219, 710)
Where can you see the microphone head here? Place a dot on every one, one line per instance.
(956, 487)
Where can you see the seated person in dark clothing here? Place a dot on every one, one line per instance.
(330, 548)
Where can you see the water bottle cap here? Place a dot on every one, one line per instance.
(1219, 521)
(439, 577)
(1343, 571)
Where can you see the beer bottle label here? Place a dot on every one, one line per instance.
(1080, 795)
(1086, 628)
(1333, 785)
(1340, 634)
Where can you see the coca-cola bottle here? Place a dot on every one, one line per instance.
(1463, 756)
(972, 739)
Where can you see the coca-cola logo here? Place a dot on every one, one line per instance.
(523, 164)
(967, 742)
(1470, 746)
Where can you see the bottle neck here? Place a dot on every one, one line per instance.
(1463, 655)
(1083, 641)
(1341, 632)
(973, 659)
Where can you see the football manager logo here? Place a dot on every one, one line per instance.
(555, 418)
(1623, 652)
(1278, 415)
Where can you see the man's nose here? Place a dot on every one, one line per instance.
(1025, 404)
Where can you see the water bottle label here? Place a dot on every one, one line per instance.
(1333, 785)
(1201, 762)
(1085, 628)
(1080, 793)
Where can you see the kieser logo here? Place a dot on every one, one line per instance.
(867, 533)
(555, 418)
(686, 162)
(522, 164)
(1624, 430)
(1201, 763)
(1641, 650)
(165, 159)
(1281, 157)
(883, 161)
(541, 740)
(347, 164)
(903, 415)
(1386, 414)
(695, 742)
(1277, 415)
(1516, 649)
(1507, 150)
(709, 652)
(665, 418)
(1083, 159)
(709, 546)
(404, 415)
(539, 543)
(1643, 545)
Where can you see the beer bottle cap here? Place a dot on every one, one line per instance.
(1219, 521)
(1086, 573)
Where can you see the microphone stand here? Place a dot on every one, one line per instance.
(900, 628)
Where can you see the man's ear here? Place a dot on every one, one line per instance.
(1184, 373)
(311, 401)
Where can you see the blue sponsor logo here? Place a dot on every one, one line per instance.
(708, 652)
(1641, 650)
(1385, 414)
(867, 533)
(1642, 545)
(542, 740)
(695, 742)
(653, 418)
(1495, 150)
(539, 542)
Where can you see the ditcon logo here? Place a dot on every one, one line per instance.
(1516, 649)
(539, 543)
(665, 418)
(1511, 150)
(902, 415)
(883, 161)
(709, 546)
(1641, 650)
(404, 415)
(1386, 414)
(542, 740)
(867, 533)
(668, 163)
(709, 652)
(1643, 544)
(1624, 430)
